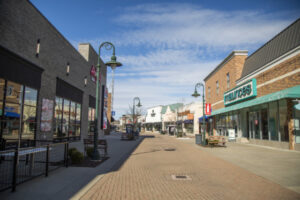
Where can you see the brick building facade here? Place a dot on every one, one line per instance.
(267, 114)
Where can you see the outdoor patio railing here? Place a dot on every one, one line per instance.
(20, 165)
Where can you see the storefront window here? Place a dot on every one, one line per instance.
(91, 120)
(67, 118)
(273, 121)
(2, 85)
(264, 124)
(254, 125)
(72, 127)
(58, 117)
(66, 115)
(15, 99)
(12, 111)
(78, 119)
(296, 120)
(29, 113)
(283, 121)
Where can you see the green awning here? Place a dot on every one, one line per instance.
(293, 92)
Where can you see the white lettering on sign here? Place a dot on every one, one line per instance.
(240, 92)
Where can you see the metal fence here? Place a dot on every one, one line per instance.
(20, 165)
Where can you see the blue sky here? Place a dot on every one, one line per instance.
(167, 46)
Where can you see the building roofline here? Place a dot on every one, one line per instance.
(273, 38)
(58, 32)
(233, 53)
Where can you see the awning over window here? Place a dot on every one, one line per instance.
(206, 118)
(293, 92)
(188, 121)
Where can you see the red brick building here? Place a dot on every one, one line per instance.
(257, 98)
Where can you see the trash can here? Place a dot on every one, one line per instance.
(198, 138)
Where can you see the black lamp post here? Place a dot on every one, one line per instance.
(196, 94)
(113, 63)
(133, 109)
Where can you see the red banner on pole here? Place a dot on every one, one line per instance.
(207, 109)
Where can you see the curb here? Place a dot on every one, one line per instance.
(86, 188)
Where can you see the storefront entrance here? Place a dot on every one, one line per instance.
(254, 125)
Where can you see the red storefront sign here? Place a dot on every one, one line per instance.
(207, 109)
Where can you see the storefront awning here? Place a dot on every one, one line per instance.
(293, 92)
(188, 121)
(206, 118)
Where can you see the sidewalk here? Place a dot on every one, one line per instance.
(278, 165)
(164, 167)
(66, 182)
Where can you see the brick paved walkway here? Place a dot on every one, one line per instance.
(147, 175)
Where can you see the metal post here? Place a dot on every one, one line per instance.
(112, 89)
(204, 128)
(47, 161)
(15, 170)
(67, 158)
(196, 94)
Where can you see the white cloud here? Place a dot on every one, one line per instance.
(179, 45)
(182, 25)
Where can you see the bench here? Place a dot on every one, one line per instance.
(102, 144)
(216, 140)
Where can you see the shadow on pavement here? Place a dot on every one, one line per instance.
(119, 164)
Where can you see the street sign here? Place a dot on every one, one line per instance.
(113, 113)
(207, 109)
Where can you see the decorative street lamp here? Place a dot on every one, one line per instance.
(133, 109)
(196, 94)
(113, 67)
(113, 63)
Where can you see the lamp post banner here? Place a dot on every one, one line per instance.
(207, 109)
(93, 74)
(105, 109)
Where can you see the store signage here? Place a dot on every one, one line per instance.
(207, 109)
(241, 92)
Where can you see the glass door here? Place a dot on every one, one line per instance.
(297, 121)
(254, 132)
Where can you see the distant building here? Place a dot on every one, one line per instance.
(188, 118)
(153, 120)
(169, 117)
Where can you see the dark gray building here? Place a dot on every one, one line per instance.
(46, 86)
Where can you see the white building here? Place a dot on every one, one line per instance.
(169, 117)
(153, 119)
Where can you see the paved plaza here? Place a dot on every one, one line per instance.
(149, 173)
(164, 167)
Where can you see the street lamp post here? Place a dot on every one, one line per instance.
(196, 94)
(133, 109)
(113, 63)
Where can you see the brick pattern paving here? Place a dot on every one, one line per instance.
(147, 175)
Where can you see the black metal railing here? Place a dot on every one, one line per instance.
(23, 164)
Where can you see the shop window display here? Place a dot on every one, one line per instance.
(67, 118)
(283, 121)
(78, 119)
(91, 120)
(273, 121)
(16, 98)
